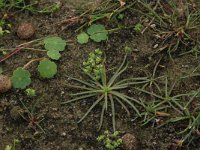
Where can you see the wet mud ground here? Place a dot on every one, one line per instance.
(61, 130)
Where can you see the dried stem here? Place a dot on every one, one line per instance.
(32, 61)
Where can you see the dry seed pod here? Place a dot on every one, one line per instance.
(130, 142)
(25, 31)
(5, 83)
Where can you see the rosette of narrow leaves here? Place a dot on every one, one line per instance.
(106, 92)
(21, 78)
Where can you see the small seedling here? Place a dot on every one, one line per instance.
(128, 50)
(83, 38)
(94, 64)
(96, 32)
(110, 140)
(120, 16)
(47, 68)
(4, 27)
(107, 92)
(13, 147)
(138, 28)
(30, 92)
(32, 117)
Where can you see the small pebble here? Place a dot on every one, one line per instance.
(153, 25)
(155, 46)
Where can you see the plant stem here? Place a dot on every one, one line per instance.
(11, 54)
(32, 61)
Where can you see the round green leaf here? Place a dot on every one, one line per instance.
(55, 55)
(47, 68)
(82, 38)
(54, 43)
(97, 32)
(21, 78)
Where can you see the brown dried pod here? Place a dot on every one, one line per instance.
(130, 142)
(5, 83)
(25, 31)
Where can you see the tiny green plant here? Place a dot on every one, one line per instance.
(128, 49)
(96, 32)
(13, 147)
(152, 111)
(32, 117)
(94, 64)
(83, 38)
(110, 140)
(4, 27)
(30, 92)
(120, 16)
(152, 79)
(107, 92)
(47, 68)
(138, 28)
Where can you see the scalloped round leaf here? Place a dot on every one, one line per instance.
(21, 78)
(47, 68)
(55, 55)
(54, 43)
(82, 38)
(97, 32)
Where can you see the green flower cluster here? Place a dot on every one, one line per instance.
(30, 92)
(94, 64)
(111, 141)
